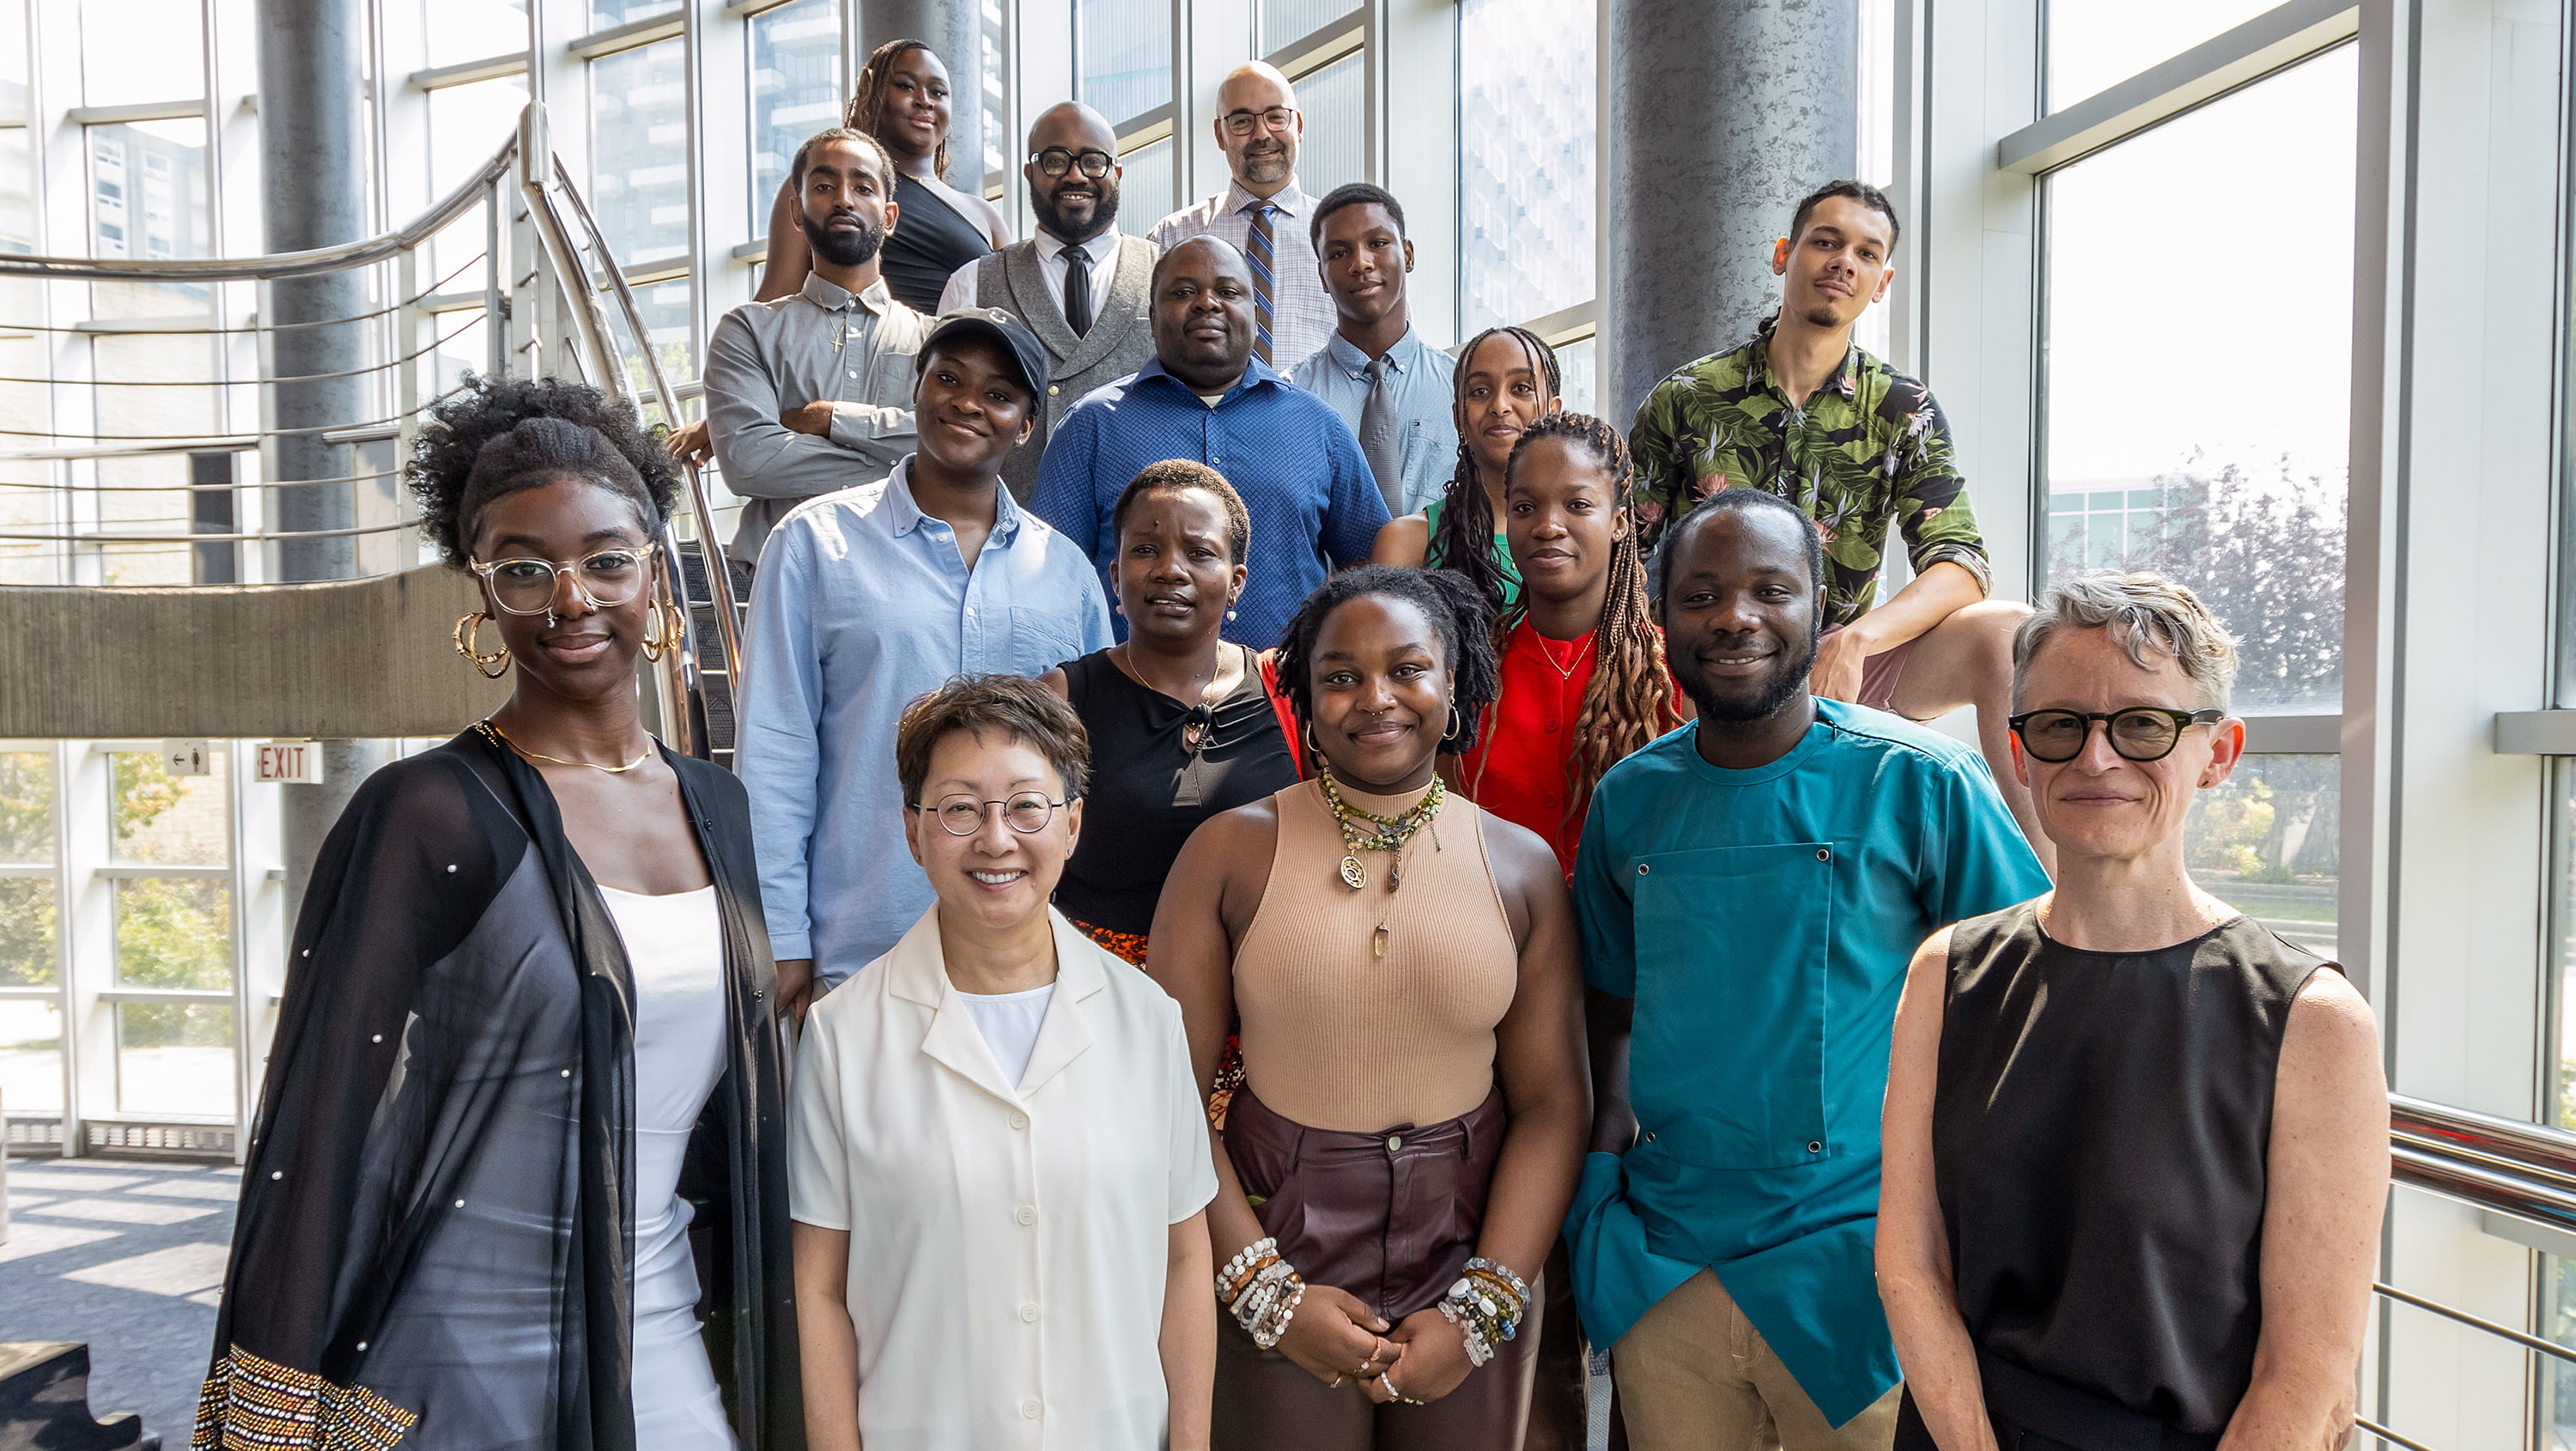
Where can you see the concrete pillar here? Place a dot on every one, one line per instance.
(313, 183)
(955, 30)
(1722, 114)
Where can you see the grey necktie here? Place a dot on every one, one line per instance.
(1077, 290)
(1378, 434)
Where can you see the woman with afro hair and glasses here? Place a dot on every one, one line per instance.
(529, 1040)
(1404, 966)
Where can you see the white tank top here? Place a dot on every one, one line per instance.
(675, 950)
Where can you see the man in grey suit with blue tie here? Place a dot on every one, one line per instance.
(1078, 284)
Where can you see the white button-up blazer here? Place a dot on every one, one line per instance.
(1007, 1243)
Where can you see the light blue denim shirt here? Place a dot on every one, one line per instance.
(862, 603)
(1338, 374)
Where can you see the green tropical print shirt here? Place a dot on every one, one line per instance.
(1870, 448)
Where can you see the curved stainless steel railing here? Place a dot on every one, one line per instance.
(559, 268)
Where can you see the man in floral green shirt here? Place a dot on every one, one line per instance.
(1802, 412)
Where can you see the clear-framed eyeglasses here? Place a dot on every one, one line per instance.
(1026, 812)
(1056, 161)
(1244, 123)
(527, 586)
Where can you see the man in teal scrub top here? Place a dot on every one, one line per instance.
(1751, 888)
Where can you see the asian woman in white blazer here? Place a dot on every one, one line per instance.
(999, 1159)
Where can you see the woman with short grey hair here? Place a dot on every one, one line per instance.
(2136, 1145)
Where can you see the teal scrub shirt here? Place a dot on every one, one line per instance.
(1763, 920)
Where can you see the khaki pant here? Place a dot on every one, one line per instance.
(1694, 1375)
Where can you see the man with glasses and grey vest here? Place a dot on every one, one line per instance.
(1078, 284)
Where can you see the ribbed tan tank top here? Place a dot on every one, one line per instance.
(1336, 1037)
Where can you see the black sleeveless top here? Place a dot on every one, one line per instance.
(1149, 791)
(930, 241)
(2099, 1140)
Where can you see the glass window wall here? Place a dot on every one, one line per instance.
(796, 90)
(2093, 46)
(2152, 459)
(1526, 190)
(1124, 55)
(1334, 101)
(1286, 22)
(1145, 187)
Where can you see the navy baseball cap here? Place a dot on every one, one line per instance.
(1020, 344)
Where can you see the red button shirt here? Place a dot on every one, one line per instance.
(1517, 770)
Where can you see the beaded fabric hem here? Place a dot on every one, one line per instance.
(250, 1404)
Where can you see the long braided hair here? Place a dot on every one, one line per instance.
(1464, 542)
(1629, 700)
(867, 101)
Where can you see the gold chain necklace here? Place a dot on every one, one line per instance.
(496, 733)
(1386, 834)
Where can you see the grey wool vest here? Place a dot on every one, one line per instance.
(1121, 339)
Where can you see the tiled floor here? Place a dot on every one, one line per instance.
(129, 1256)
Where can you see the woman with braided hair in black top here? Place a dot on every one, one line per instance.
(1507, 379)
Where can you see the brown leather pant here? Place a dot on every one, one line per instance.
(1391, 1218)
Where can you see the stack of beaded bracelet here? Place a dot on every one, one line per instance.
(1262, 1290)
(1486, 1304)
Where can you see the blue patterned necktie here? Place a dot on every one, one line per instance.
(1264, 255)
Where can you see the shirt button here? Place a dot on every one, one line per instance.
(1815, 1146)
(1551, 727)
(1824, 854)
(854, 374)
(1053, 390)
(1641, 869)
(1027, 1215)
(1029, 1313)
(1030, 1409)
(1019, 1120)
(1394, 1142)
(1553, 803)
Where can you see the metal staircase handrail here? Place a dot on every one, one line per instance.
(380, 248)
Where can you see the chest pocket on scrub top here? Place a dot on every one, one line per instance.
(1040, 641)
(1729, 1047)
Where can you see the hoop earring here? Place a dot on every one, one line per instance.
(1456, 724)
(667, 619)
(1314, 752)
(492, 666)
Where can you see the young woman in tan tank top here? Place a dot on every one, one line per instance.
(1416, 1094)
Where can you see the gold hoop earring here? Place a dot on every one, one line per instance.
(1314, 752)
(666, 618)
(492, 666)
(1456, 724)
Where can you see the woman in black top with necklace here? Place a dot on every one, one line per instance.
(1182, 724)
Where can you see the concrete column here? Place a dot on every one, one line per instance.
(1722, 114)
(313, 185)
(954, 29)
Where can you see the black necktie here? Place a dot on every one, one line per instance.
(1077, 290)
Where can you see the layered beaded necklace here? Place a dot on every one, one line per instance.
(1368, 831)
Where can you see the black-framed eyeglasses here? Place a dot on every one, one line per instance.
(1056, 161)
(1244, 123)
(2137, 733)
(1026, 812)
(527, 586)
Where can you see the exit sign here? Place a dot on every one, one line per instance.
(295, 762)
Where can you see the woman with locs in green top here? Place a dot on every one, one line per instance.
(1507, 379)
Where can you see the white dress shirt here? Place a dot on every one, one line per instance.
(1102, 250)
(1008, 1243)
(1301, 315)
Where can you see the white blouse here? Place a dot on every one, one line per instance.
(675, 951)
(1007, 1242)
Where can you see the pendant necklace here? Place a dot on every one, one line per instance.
(1389, 834)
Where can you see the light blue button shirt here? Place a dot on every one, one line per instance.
(1762, 922)
(1424, 392)
(862, 603)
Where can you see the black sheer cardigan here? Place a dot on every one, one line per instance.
(437, 1215)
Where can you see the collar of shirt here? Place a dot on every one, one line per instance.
(832, 297)
(907, 515)
(1290, 199)
(1846, 379)
(1255, 373)
(1097, 249)
(1347, 356)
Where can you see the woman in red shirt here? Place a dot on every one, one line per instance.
(1584, 680)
